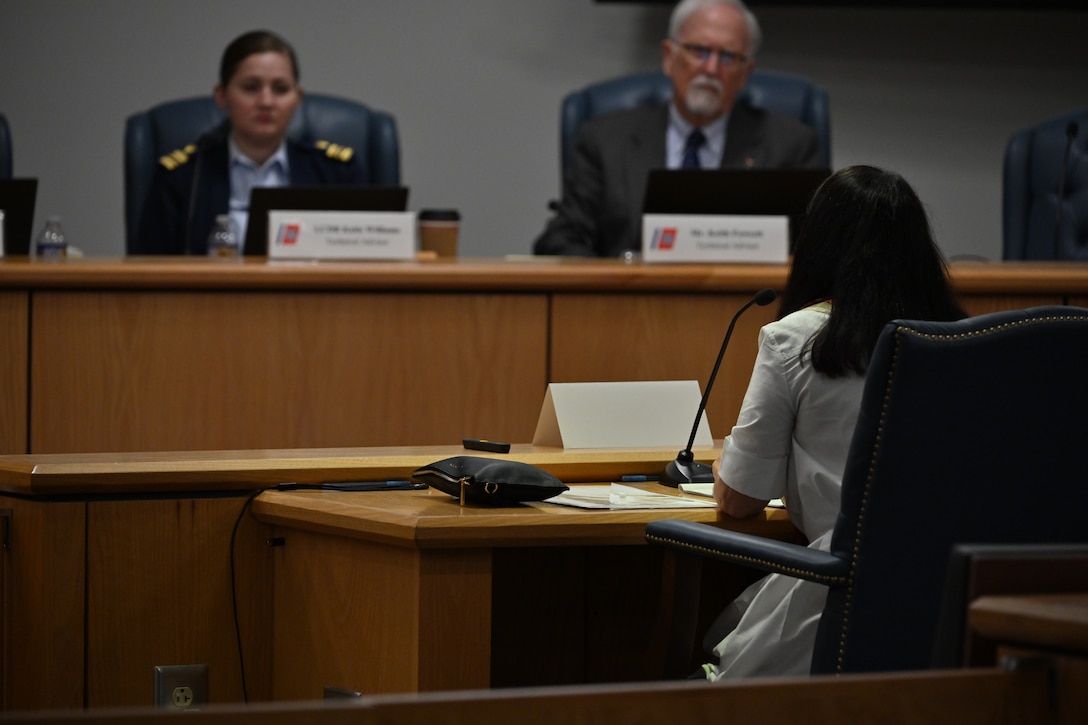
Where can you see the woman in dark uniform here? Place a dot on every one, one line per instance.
(258, 88)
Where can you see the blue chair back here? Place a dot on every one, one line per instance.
(950, 448)
(5, 148)
(1033, 190)
(168, 126)
(785, 93)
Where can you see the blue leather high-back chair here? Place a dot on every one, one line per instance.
(1046, 169)
(785, 93)
(950, 447)
(5, 148)
(169, 126)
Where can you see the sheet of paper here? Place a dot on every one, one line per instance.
(707, 489)
(617, 497)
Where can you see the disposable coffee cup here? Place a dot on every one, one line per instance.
(438, 230)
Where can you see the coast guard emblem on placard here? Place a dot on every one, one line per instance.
(664, 238)
(287, 234)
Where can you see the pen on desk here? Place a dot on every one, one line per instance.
(638, 478)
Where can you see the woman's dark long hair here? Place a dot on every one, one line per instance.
(865, 245)
(247, 44)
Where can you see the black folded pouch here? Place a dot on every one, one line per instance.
(479, 480)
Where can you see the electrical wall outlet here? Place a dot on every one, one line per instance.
(181, 687)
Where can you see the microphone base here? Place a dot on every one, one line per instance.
(678, 472)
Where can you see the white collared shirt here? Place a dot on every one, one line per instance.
(246, 174)
(676, 137)
(791, 439)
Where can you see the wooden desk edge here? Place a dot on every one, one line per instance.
(977, 695)
(532, 274)
(431, 519)
(1053, 620)
(74, 474)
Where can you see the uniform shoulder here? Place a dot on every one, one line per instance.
(178, 157)
(330, 150)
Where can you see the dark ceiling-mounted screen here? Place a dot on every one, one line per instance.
(945, 4)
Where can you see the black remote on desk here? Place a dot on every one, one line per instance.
(475, 444)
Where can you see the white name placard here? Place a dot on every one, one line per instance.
(341, 235)
(714, 238)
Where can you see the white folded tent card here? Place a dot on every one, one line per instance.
(642, 414)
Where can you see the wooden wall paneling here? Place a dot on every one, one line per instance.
(159, 593)
(588, 614)
(456, 615)
(14, 323)
(599, 337)
(377, 361)
(349, 613)
(346, 369)
(623, 608)
(43, 589)
(538, 622)
(1077, 300)
(983, 304)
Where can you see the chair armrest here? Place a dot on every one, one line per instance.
(753, 551)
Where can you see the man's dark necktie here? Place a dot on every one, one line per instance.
(696, 139)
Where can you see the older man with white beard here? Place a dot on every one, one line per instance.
(708, 55)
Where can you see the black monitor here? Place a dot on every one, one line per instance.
(17, 197)
(314, 198)
(747, 192)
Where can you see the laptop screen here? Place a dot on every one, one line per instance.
(17, 197)
(314, 198)
(749, 192)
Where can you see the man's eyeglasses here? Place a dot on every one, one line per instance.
(702, 53)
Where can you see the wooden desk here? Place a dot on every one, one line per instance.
(376, 592)
(1045, 621)
(152, 354)
(1043, 632)
(117, 563)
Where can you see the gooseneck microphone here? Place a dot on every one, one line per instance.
(685, 469)
(1071, 131)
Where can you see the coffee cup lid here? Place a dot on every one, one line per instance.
(439, 215)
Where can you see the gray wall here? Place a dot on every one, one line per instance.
(476, 84)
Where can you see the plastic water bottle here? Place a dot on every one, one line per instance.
(222, 241)
(51, 241)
